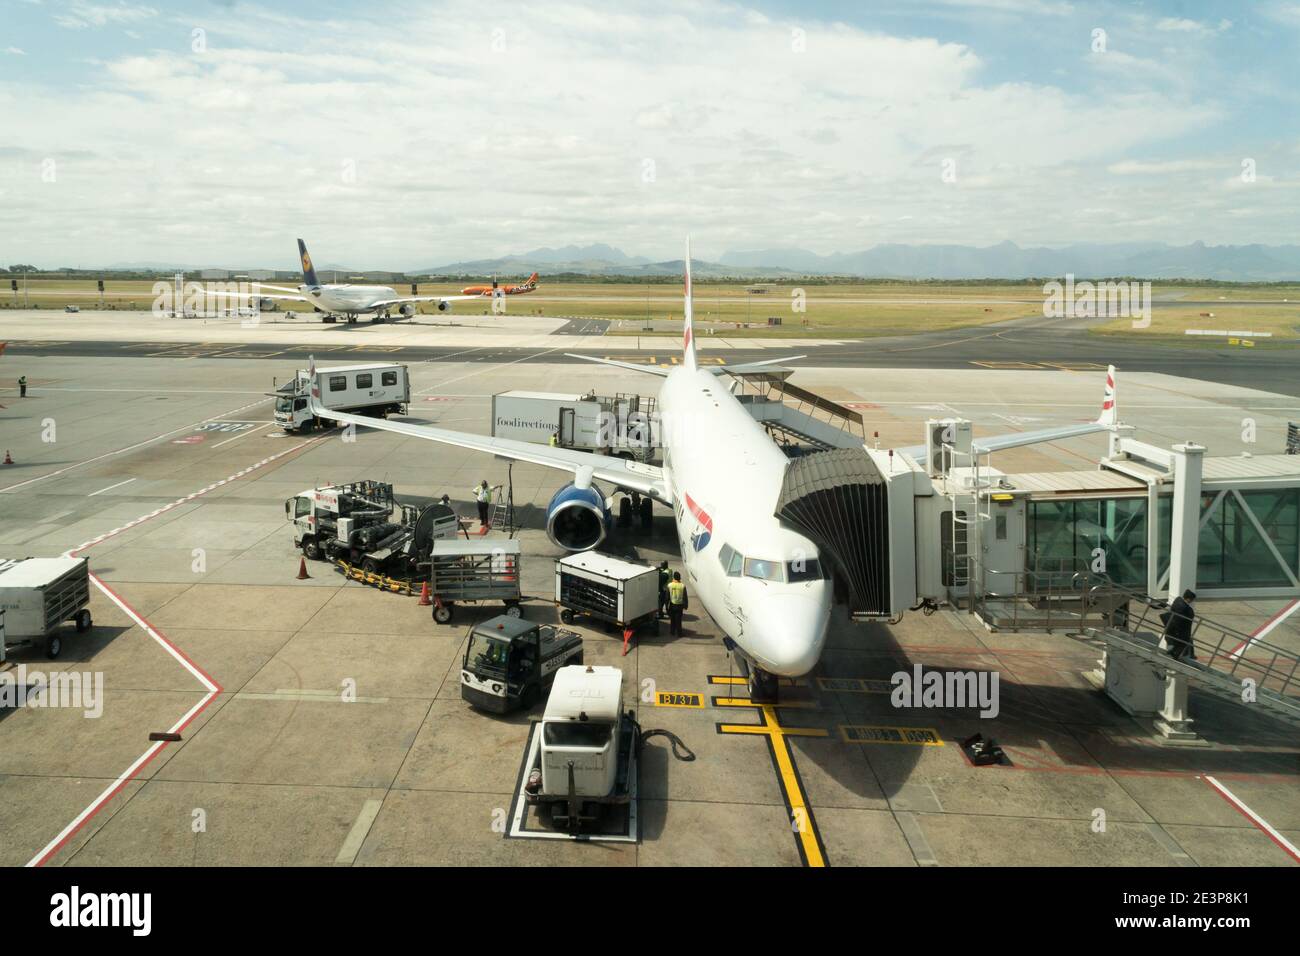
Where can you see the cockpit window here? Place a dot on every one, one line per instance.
(804, 569)
(731, 560)
(764, 570)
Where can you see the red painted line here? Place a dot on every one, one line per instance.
(209, 683)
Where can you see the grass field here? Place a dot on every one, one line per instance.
(830, 310)
(1283, 321)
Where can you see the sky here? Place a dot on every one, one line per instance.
(403, 135)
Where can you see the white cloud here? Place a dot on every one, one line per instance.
(80, 14)
(448, 141)
(15, 51)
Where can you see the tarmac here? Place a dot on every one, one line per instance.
(321, 721)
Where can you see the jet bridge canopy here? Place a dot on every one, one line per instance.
(839, 500)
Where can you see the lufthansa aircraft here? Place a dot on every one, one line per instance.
(761, 581)
(350, 300)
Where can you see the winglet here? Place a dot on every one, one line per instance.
(1109, 410)
(688, 332)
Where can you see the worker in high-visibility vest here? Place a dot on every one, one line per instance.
(678, 601)
(22, 386)
(555, 439)
(483, 498)
(665, 576)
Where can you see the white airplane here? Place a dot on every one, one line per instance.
(350, 300)
(761, 581)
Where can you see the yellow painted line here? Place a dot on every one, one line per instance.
(1006, 364)
(800, 817)
(1077, 366)
(882, 734)
(746, 702)
(718, 679)
(668, 698)
(760, 730)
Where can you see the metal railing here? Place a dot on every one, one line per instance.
(1047, 597)
(774, 388)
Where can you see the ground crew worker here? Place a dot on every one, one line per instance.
(22, 386)
(678, 601)
(483, 498)
(555, 439)
(664, 577)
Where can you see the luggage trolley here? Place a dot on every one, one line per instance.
(37, 595)
(465, 572)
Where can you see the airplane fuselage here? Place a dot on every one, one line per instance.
(724, 473)
(353, 299)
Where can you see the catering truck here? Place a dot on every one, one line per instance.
(377, 390)
(621, 425)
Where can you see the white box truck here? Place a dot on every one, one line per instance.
(378, 390)
(621, 425)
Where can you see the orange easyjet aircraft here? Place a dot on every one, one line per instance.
(527, 286)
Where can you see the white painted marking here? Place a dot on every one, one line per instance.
(1286, 845)
(110, 488)
(1268, 628)
(357, 835)
(121, 451)
(242, 434)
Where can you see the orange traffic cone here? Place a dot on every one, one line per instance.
(302, 569)
(8, 458)
(425, 600)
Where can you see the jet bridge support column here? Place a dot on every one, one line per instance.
(1173, 721)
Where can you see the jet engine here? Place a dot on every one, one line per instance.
(444, 305)
(577, 519)
(265, 305)
(407, 309)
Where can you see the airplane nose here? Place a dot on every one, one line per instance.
(788, 634)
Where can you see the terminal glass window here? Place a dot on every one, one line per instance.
(338, 383)
(365, 380)
(1090, 533)
(388, 378)
(1233, 552)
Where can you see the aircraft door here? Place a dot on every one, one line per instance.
(566, 427)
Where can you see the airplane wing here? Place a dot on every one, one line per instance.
(1105, 422)
(423, 298)
(662, 372)
(632, 366)
(584, 466)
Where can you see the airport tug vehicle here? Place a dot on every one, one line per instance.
(509, 661)
(586, 762)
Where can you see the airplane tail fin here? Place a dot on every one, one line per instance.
(688, 333)
(308, 270)
(1109, 410)
(532, 282)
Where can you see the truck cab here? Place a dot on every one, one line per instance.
(509, 661)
